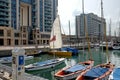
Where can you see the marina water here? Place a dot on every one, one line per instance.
(97, 55)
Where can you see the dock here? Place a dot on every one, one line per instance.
(31, 49)
(8, 69)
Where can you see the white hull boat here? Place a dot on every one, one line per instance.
(116, 46)
(45, 64)
(28, 57)
(6, 60)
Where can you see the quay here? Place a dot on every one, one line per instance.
(8, 69)
(77, 45)
(34, 50)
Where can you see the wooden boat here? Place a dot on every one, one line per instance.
(56, 40)
(73, 71)
(99, 72)
(44, 64)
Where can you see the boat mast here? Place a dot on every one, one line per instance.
(119, 30)
(69, 34)
(110, 30)
(102, 24)
(84, 26)
(85, 31)
(104, 31)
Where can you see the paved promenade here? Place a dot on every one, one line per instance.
(39, 46)
(27, 76)
(24, 47)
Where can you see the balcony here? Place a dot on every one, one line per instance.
(3, 5)
(4, 19)
(6, 1)
(5, 10)
(4, 14)
(2, 23)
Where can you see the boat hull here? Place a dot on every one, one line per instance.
(60, 75)
(60, 53)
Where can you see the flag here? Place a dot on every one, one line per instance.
(53, 38)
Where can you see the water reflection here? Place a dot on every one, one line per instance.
(115, 58)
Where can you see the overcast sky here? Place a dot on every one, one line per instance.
(68, 9)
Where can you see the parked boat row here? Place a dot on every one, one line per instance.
(111, 46)
(79, 71)
(99, 72)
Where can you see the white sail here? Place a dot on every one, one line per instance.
(56, 38)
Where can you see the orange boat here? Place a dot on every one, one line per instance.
(73, 71)
(100, 72)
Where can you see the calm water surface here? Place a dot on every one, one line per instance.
(97, 55)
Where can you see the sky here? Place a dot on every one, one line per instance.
(68, 9)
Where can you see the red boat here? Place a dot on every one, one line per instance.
(73, 71)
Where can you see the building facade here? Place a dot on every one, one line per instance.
(94, 26)
(27, 18)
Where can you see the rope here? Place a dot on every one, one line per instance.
(106, 44)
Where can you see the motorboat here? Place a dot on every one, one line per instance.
(44, 64)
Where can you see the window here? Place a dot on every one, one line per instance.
(1, 33)
(24, 42)
(24, 35)
(16, 34)
(8, 42)
(24, 29)
(16, 42)
(8, 33)
(1, 42)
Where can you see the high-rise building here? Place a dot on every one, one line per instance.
(94, 26)
(27, 18)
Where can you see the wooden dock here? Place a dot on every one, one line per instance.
(9, 70)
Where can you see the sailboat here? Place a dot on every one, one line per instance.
(101, 71)
(69, 48)
(56, 39)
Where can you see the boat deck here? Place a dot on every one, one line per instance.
(7, 69)
(75, 68)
